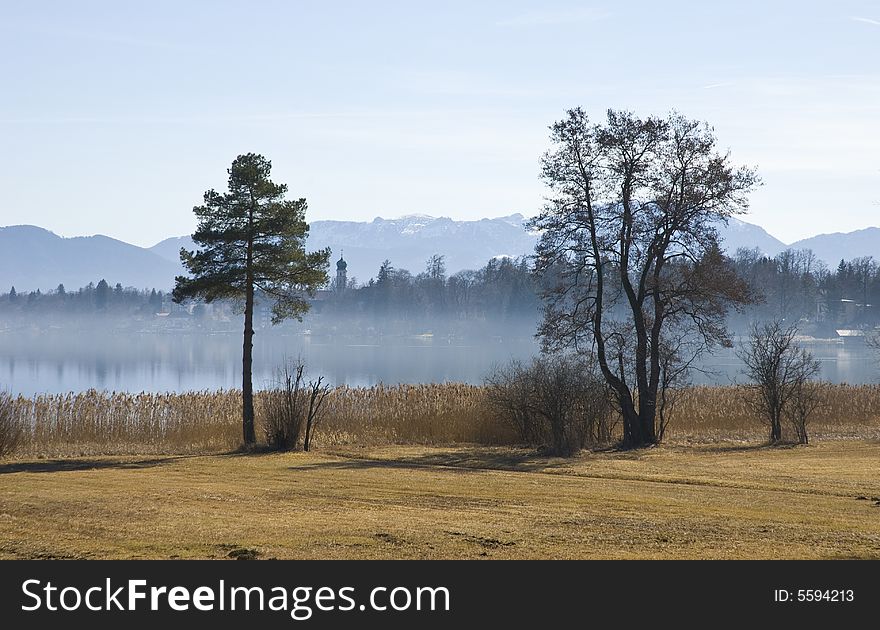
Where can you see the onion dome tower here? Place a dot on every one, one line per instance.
(341, 275)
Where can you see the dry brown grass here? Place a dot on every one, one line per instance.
(711, 413)
(203, 422)
(696, 501)
(447, 413)
(379, 487)
(95, 422)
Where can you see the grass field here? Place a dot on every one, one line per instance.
(688, 501)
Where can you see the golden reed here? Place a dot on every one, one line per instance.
(94, 422)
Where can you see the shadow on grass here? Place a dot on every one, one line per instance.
(742, 448)
(72, 465)
(458, 460)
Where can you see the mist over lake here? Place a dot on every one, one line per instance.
(59, 360)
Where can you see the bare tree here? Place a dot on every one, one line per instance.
(678, 354)
(629, 232)
(865, 269)
(779, 373)
(807, 398)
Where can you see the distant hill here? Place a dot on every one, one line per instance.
(169, 249)
(738, 234)
(832, 248)
(32, 258)
(407, 242)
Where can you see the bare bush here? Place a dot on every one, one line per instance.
(557, 402)
(779, 371)
(510, 392)
(11, 433)
(282, 408)
(292, 407)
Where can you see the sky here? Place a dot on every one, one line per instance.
(115, 117)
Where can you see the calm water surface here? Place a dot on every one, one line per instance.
(58, 361)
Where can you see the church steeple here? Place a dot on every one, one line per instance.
(341, 276)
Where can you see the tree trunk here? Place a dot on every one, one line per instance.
(775, 429)
(632, 426)
(247, 387)
(247, 353)
(307, 443)
(648, 416)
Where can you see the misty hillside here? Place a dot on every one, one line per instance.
(738, 234)
(169, 249)
(33, 258)
(407, 242)
(832, 248)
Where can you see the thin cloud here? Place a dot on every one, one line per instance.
(546, 18)
(866, 20)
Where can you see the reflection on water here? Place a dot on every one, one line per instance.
(55, 361)
(853, 363)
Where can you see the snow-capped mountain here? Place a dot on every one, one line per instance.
(33, 258)
(407, 242)
(738, 233)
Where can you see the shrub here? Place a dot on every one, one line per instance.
(283, 409)
(780, 373)
(291, 407)
(556, 402)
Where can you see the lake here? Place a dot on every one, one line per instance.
(57, 361)
(54, 361)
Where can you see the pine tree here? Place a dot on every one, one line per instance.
(102, 295)
(252, 239)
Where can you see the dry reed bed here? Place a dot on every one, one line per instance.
(707, 413)
(95, 422)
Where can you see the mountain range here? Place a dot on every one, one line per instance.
(34, 258)
(407, 242)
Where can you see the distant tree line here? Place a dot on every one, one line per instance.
(504, 288)
(90, 299)
(793, 286)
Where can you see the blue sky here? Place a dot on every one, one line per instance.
(116, 116)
